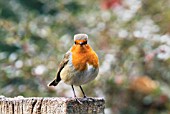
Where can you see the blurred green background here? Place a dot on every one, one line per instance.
(131, 38)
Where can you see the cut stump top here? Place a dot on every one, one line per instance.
(51, 105)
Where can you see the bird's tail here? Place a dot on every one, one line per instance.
(53, 83)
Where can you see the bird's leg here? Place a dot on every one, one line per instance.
(83, 92)
(75, 95)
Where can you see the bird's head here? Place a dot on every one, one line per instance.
(80, 39)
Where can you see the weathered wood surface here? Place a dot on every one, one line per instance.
(51, 105)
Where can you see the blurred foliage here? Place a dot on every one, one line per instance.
(131, 37)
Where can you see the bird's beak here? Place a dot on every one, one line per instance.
(81, 43)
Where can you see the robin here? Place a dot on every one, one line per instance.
(79, 66)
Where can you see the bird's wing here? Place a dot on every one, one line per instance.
(61, 66)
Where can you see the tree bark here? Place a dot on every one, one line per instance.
(51, 105)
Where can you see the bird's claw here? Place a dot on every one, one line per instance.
(78, 101)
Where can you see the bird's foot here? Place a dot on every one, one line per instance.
(87, 98)
(78, 100)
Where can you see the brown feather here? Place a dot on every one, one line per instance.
(61, 66)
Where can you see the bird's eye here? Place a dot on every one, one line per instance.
(75, 42)
(85, 42)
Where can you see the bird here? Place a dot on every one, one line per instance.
(79, 66)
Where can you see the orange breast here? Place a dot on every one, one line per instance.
(81, 55)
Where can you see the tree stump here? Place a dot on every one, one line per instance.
(51, 105)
